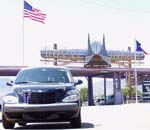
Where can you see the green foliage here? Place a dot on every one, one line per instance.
(125, 91)
(132, 90)
(84, 94)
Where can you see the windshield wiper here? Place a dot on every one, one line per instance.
(23, 82)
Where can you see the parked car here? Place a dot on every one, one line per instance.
(42, 94)
(101, 101)
(110, 100)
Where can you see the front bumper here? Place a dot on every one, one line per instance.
(40, 112)
(40, 107)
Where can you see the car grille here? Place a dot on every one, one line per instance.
(43, 97)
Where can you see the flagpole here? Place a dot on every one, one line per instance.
(23, 38)
(135, 74)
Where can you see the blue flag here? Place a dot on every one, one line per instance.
(139, 48)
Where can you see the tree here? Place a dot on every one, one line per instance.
(84, 94)
(132, 90)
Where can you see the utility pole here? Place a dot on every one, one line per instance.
(129, 80)
(55, 54)
(129, 75)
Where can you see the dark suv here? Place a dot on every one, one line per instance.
(42, 94)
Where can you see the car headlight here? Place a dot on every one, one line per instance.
(71, 98)
(10, 99)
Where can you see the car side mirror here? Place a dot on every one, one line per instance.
(10, 83)
(77, 82)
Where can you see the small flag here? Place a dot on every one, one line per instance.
(33, 13)
(139, 48)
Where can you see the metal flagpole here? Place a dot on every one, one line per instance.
(135, 74)
(23, 38)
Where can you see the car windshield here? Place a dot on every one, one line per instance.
(44, 75)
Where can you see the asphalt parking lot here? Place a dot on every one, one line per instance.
(119, 117)
(112, 117)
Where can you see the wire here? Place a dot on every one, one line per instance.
(114, 7)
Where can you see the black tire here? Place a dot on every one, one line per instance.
(22, 124)
(76, 122)
(7, 124)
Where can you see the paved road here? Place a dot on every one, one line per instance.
(116, 117)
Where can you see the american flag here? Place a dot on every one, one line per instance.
(33, 13)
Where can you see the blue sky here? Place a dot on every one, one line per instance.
(68, 23)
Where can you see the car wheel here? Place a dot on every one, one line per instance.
(76, 122)
(22, 124)
(7, 124)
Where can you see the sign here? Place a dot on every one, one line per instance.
(146, 91)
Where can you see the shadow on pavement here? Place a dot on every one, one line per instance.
(53, 126)
(87, 125)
